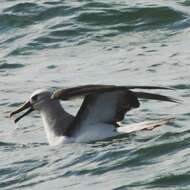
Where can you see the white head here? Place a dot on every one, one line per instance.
(37, 101)
(39, 98)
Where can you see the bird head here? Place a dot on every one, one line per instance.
(36, 102)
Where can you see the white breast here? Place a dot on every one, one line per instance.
(52, 138)
(95, 132)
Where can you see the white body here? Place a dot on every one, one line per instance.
(102, 131)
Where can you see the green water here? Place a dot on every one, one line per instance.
(62, 43)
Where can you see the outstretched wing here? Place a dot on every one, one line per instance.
(103, 108)
(105, 104)
(69, 93)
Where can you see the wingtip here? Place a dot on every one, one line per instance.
(151, 87)
(178, 101)
(175, 100)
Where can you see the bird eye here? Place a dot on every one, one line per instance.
(35, 98)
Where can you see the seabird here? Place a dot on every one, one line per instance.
(99, 117)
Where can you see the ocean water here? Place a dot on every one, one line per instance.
(63, 43)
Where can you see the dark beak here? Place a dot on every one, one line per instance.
(22, 108)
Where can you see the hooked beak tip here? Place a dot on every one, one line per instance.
(11, 114)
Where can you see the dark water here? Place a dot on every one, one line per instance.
(58, 44)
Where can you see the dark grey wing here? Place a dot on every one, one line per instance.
(152, 96)
(105, 107)
(105, 103)
(69, 93)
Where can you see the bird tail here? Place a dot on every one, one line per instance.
(146, 125)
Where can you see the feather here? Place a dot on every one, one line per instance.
(152, 96)
(69, 93)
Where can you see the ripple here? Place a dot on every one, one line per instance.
(185, 3)
(181, 86)
(5, 66)
(6, 144)
(68, 33)
(25, 14)
(51, 66)
(24, 9)
(171, 180)
(133, 17)
(17, 173)
(10, 20)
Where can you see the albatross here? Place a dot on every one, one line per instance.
(100, 114)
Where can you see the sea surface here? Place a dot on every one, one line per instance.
(56, 44)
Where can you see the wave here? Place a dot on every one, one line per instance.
(63, 24)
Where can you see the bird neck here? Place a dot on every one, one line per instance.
(55, 120)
